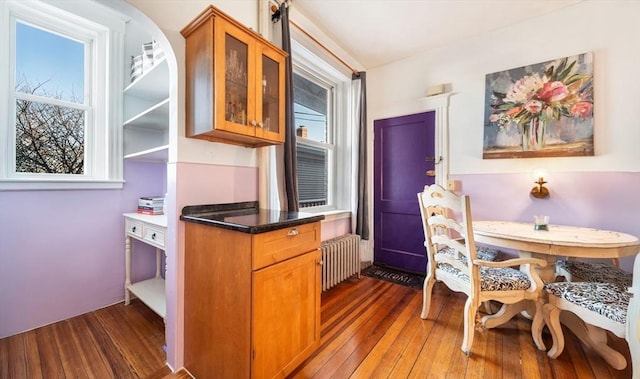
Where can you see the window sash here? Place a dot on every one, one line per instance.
(315, 183)
(85, 106)
(103, 35)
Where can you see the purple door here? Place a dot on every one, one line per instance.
(403, 156)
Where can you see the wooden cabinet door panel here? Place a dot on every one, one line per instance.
(286, 322)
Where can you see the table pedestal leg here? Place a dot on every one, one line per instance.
(547, 273)
(506, 313)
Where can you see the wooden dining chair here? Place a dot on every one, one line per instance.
(453, 260)
(577, 271)
(589, 309)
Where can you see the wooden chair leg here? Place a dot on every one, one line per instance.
(429, 281)
(470, 310)
(594, 337)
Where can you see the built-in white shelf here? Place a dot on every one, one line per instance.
(146, 115)
(153, 85)
(156, 154)
(155, 117)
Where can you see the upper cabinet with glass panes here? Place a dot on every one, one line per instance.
(235, 82)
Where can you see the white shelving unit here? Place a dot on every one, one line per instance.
(146, 115)
(145, 128)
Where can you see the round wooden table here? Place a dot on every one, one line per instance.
(559, 240)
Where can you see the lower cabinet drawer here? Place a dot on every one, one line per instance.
(279, 245)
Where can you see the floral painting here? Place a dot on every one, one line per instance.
(540, 110)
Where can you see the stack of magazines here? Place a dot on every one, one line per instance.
(151, 205)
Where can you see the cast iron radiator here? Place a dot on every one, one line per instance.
(341, 259)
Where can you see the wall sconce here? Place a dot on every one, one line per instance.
(539, 191)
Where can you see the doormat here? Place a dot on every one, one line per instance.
(395, 276)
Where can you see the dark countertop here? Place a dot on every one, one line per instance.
(245, 217)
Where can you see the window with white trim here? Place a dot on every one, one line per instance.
(60, 126)
(323, 133)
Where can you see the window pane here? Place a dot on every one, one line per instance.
(49, 138)
(310, 109)
(312, 175)
(48, 64)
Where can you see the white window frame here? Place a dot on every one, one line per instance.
(339, 186)
(102, 32)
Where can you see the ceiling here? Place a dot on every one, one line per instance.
(377, 32)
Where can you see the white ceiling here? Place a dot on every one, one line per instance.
(377, 32)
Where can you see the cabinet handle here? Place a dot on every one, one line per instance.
(253, 123)
(133, 229)
(320, 263)
(261, 125)
(153, 236)
(293, 232)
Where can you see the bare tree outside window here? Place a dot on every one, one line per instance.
(49, 137)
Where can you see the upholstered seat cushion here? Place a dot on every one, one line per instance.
(494, 279)
(595, 272)
(482, 252)
(606, 299)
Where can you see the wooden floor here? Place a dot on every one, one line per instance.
(370, 329)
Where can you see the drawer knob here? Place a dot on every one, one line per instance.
(153, 236)
(293, 232)
(133, 229)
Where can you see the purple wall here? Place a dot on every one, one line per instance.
(604, 200)
(62, 252)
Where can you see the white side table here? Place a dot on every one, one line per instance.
(150, 230)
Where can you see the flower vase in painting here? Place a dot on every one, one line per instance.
(540, 110)
(533, 135)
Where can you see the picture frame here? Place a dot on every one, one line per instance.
(540, 110)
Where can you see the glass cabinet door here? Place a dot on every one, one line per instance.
(270, 95)
(271, 106)
(236, 91)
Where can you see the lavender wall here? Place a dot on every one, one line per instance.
(603, 200)
(62, 252)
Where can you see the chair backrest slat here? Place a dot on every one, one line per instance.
(447, 223)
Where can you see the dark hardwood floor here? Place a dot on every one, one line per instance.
(370, 329)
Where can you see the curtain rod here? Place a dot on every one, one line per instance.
(354, 71)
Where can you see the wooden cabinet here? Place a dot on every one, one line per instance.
(235, 82)
(252, 301)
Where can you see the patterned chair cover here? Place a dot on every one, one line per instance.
(574, 271)
(592, 309)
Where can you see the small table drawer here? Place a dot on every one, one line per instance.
(154, 236)
(134, 228)
(279, 245)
